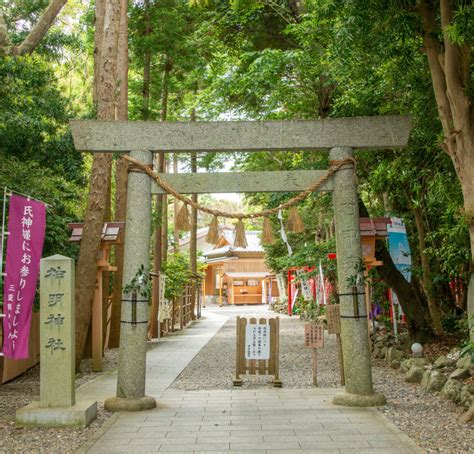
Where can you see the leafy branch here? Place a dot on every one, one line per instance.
(140, 283)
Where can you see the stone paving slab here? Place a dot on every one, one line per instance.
(258, 421)
(164, 363)
(302, 421)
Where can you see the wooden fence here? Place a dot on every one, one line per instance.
(181, 313)
(9, 368)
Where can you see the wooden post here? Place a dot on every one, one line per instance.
(97, 331)
(239, 353)
(182, 301)
(204, 291)
(173, 314)
(341, 359)
(98, 306)
(220, 289)
(315, 366)
(232, 300)
(252, 362)
(314, 339)
(262, 363)
(368, 306)
(276, 335)
(333, 316)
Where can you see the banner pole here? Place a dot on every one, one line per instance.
(29, 197)
(2, 315)
(3, 234)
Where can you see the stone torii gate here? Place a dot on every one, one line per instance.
(339, 136)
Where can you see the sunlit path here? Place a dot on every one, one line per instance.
(260, 420)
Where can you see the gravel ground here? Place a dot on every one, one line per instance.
(24, 389)
(217, 358)
(428, 418)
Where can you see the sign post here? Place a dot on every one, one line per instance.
(333, 316)
(57, 406)
(314, 339)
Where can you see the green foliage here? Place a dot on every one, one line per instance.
(140, 283)
(247, 59)
(455, 324)
(177, 271)
(34, 117)
(28, 177)
(467, 343)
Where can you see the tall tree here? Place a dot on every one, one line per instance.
(121, 174)
(449, 51)
(194, 226)
(107, 23)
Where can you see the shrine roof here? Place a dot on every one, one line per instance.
(110, 231)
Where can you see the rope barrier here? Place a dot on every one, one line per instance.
(334, 166)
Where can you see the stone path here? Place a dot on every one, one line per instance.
(165, 362)
(237, 420)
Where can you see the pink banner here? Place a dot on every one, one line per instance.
(26, 227)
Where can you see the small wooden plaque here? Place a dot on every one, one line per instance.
(314, 335)
(333, 315)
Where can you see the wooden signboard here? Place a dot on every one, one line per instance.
(333, 315)
(258, 349)
(314, 335)
(314, 339)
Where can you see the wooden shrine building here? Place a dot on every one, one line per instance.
(236, 275)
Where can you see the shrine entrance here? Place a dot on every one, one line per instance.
(338, 136)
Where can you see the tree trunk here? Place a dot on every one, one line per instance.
(426, 272)
(160, 246)
(121, 175)
(164, 116)
(409, 295)
(450, 67)
(37, 33)
(175, 208)
(146, 66)
(164, 220)
(469, 205)
(5, 43)
(99, 182)
(157, 259)
(193, 240)
(98, 36)
(106, 275)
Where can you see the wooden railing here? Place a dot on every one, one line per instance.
(182, 312)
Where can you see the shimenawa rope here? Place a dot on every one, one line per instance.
(334, 166)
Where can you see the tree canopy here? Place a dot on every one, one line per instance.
(249, 59)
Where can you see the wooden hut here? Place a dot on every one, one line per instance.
(236, 275)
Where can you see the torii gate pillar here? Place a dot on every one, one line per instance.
(355, 342)
(134, 319)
